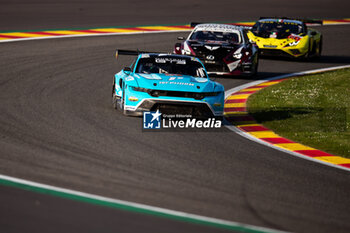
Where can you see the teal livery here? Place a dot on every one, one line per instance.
(166, 82)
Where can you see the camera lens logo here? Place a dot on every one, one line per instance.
(151, 120)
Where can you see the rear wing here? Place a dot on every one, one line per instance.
(194, 24)
(128, 52)
(245, 28)
(131, 52)
(306, 21)
(313, 21)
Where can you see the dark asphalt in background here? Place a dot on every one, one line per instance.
(57, 127)
(51, 14)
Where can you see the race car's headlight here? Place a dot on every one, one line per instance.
(202, 95)
(188, 50)
(211, 93)
(154, 93)
(237, 55)
(294, 43)
(140, 89)
(198, 96)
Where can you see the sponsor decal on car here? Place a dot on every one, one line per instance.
(211, 48)
(210, 57)
(176, 83)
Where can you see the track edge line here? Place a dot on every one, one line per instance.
(242, 133)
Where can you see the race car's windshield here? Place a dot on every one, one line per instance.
(171, 65)
(230, 37)
(275, 29)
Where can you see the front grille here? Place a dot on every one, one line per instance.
(219, 54)
(168, 107)
(194, 110)
(295, 51)
(194, 95)
(183, 94)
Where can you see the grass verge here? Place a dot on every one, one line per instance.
(312, 110)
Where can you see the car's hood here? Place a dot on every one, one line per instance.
(173, 82)
(271, 43)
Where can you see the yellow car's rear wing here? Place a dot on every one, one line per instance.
(306, 21)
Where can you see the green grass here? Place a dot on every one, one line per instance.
(312, 110)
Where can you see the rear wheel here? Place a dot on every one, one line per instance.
(318, 49)
(306, 56)
(255, 67)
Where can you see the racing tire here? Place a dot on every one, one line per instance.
(255, 68)
(306, 56)
(115, 100)
(122, 102)
(318, 49)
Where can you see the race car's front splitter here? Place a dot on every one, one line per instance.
(189, 107)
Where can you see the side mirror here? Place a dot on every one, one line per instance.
(127, 70)
(177, 48)
(116, 54)
(181, 38)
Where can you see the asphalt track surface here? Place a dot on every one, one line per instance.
(57, 127)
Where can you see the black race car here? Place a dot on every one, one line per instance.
(224, 49)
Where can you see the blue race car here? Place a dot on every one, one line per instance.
(169, 83)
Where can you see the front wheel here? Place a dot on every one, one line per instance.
(255, 67)
(115, 102)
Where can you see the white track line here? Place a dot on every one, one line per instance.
(189, 216)
(87, 35)
(124, 33)
(152, 208)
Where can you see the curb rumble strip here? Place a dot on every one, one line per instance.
(242, 123)
(11, 36)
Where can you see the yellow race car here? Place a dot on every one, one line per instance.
(286, 37)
